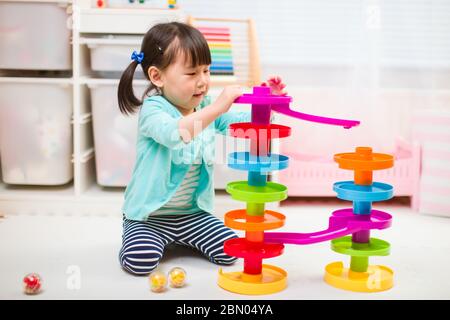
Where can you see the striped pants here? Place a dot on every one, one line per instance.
(143, 242)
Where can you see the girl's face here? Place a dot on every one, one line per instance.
(185, 86)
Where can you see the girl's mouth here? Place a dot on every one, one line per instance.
(198, 95)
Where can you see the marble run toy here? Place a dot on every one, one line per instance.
(259, 278)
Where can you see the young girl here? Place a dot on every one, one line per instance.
(170, 196)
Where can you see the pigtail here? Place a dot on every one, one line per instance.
(128, 103)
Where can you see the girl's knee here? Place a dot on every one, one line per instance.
(218, 256)
(141, 264)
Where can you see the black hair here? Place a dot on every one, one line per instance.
(161, 46)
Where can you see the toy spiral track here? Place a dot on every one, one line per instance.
(348, 230)
(256, 278)
(360, 276)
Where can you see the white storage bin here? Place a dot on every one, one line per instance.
(35, 132)
(114, 135)
(34, 36)
(112, 53)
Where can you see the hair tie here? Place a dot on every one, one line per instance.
(138, 57)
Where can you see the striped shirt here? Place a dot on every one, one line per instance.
(183, 201)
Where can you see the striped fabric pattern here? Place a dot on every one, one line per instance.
(143, 242)
(183, 201)
(432, 131)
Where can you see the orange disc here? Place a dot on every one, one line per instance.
(272, 220)
(364, 160)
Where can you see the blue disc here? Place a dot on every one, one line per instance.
(248, 162)
(348, 190)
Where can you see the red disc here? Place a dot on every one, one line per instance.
(242, 248)
(249, 130)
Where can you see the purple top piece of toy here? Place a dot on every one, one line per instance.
(280, 104)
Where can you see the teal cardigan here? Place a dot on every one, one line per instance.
(163, 158)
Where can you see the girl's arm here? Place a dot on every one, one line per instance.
(191, 125)
(223, 122)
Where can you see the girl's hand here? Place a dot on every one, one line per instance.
(276, 85)
(227, 97)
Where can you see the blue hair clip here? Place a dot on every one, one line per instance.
(138, 57)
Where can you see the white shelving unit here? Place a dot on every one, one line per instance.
(83, 195)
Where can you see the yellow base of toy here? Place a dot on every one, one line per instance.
(376, 279)
(272, 279)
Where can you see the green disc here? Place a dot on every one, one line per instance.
(375, 247)
(271, 192)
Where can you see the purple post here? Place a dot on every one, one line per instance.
(261, 112)
(362, 236)
(260, 115)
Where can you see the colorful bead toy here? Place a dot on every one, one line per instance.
(177, 277)
(158, 281)
(32, 283)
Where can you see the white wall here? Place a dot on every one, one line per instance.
(375, 61)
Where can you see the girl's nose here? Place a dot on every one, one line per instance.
(203, 81)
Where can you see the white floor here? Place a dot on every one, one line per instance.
(60, 248)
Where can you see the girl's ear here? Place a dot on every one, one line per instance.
(155, 76)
